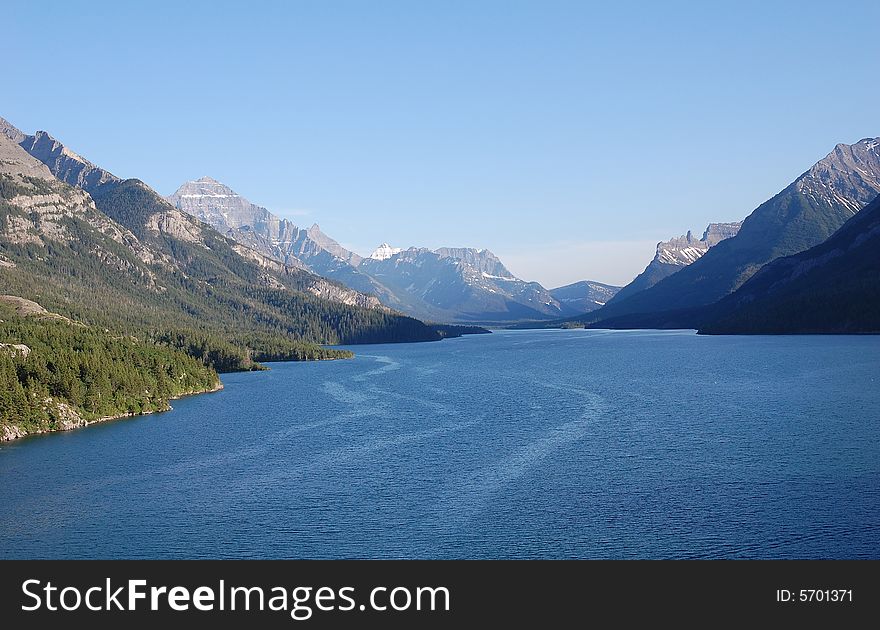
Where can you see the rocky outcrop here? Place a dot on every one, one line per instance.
(336, 293)
(64, 163)
(175, 224)
(16, 349)
(9, 432)
(676, 253)
(68, 417)
(21, 306)
(684, 250)
(10, 131)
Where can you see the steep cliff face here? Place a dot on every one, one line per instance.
(676, 253)
(686, 249)
(65, 164)
(222, 208)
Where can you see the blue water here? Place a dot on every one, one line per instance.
(558, 444)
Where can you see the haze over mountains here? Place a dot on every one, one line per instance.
(446, 284)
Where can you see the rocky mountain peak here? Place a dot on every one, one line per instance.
(849, 175)
(11, 131)
(481, 259)
(683, 250)
(385, 251)
(717, 232)
(216, 204)
(204, 186)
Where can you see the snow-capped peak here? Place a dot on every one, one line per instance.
(385, 251)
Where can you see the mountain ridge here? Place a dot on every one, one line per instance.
(802, 215)
(127, 260)
(833, 287)
(672, 255)
(448, 284)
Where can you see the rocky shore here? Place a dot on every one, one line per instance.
(70, 417)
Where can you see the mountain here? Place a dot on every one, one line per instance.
(833, 287)
(585, 296)
(445, 285)
(384, 252)
(801, 216)
(674, 254)
(461, 284)
(65, 164)
(234, 216)
(122, 257)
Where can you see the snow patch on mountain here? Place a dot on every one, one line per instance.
(385, 251)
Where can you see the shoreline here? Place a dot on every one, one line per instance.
(11, 433)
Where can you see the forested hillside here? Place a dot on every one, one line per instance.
(57, 374)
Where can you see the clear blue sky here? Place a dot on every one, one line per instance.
(568, 137)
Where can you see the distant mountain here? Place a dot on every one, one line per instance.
(801, 216)
(446, 285)
(461, 284)
(234, 216)
(676, 253)
(384, 252)
(833, 287)
(585, 296)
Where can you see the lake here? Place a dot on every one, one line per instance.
(519, 444)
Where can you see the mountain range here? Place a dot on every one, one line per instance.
(111, 252)
(207, 232)
(113, 299)
(443, 285)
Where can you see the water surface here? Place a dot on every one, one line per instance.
(558, 444)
